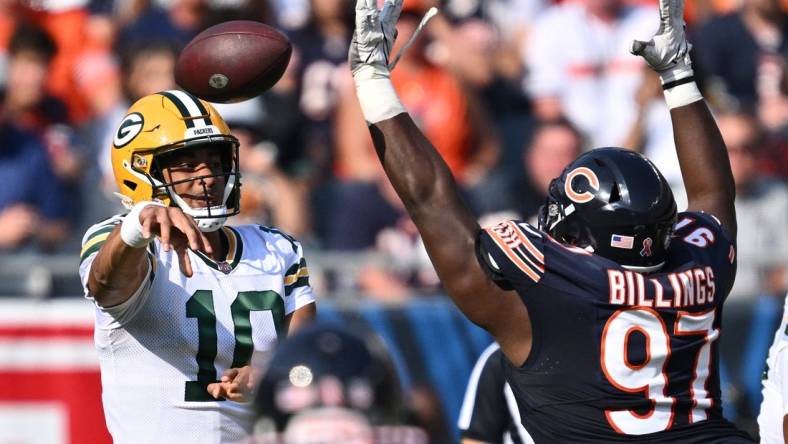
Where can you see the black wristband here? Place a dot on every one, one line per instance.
(676, 83)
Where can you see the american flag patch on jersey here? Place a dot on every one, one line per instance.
(619, 241)
(514, 242)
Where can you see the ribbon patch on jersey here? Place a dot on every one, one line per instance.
(619, 241)
(646, 251)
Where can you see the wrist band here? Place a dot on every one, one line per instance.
(376, 95)
(131, 228)
(682, 94)
(674, 83)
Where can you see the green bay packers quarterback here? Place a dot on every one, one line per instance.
(184, 303)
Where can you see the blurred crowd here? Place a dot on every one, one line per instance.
(509, 91)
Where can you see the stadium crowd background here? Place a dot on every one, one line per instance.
(508, 90)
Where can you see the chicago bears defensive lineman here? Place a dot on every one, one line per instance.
(609, 312)
(183, 302)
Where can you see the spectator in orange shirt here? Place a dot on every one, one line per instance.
(68, 24)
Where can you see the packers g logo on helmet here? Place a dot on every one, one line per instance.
(163, 123)
(128, 129)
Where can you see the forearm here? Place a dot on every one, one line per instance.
(117, 271)
(702, 154)
(416, 170)
(428, 190)
(424, 183)
(704, 162)
(422, 180)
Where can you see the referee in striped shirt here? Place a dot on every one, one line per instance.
(489, 412)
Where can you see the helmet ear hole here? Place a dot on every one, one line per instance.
(132, 186)
(615, 194)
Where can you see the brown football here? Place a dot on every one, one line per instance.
(233, 61)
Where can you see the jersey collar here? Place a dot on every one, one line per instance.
(234, 252)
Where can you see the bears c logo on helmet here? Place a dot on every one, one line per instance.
(585, 196)
(128, 129)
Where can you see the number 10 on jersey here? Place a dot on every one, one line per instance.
(201, 307)
(650, 377)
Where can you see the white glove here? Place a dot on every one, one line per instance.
(370, 50)
(667, 53)
(375, 34)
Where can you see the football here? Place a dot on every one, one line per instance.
(233, 61)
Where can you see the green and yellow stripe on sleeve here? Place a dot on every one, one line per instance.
(296, 276)
(94, 241)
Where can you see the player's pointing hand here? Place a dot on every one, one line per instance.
(176, 230)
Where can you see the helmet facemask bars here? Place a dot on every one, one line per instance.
(214, 214)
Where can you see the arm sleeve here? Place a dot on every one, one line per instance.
(298, 292)
(512, 253)
(484, 415)
(115, 316)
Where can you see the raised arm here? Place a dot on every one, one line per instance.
(702, 154)
(704, 163)
(428, 190)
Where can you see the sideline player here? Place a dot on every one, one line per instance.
(610, 312)
(181, 299)
(773, 418)
(331, 384)
(489, 412)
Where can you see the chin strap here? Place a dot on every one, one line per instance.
(208, 225)
(207, 219)
(650, 269)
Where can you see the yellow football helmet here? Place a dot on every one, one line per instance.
(162, 123)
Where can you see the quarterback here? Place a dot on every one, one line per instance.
(609, 311)
(183, 302)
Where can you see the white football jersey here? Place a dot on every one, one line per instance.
(160, 349)
(775, 386)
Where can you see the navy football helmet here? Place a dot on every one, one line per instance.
(327, 380)
(615, 202)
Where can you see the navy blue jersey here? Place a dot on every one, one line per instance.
(618, 355)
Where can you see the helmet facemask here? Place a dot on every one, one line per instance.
(555, 218)
(214, 214)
